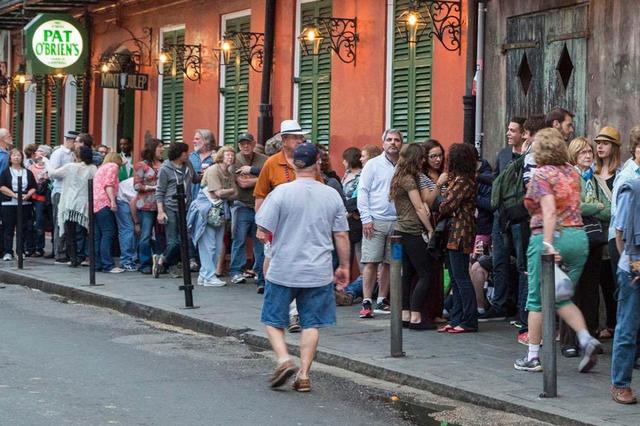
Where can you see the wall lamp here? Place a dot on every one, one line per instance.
(341, 32)
(184, 58)
(249, 45)
(443, 19)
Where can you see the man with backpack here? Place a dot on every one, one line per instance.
(509, 154)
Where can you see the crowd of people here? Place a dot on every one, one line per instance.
(472, 235)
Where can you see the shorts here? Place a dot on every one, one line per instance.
(574, 249)
(316, 305)
(378, 248)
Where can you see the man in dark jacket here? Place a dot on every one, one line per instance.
(515, 139)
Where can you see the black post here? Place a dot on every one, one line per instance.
(265, 120)
(92, 232)
(548, 352)
(184, 250)
(19, 245)
(469, 100)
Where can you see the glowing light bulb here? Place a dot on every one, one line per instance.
(105, 68)
(226, 46)
(163, 58)
(311, 35)
(412, 19)
(22, 79)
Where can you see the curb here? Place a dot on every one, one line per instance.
(248, 336)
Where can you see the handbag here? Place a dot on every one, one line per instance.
(438, 242)
(564, 285)
(595, 234)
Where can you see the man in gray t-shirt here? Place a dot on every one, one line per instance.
(306, 219)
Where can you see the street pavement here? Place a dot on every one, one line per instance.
(65, 363)
(475, 368)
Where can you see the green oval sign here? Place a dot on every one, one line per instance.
(55, 43)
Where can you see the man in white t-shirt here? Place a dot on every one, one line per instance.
(306, 219)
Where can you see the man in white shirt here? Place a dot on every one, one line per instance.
(61, 156)
(378, 215)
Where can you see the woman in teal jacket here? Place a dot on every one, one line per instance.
(593, 205)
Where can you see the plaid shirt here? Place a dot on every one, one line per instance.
(460, 205)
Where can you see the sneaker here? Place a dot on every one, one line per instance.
(213, 282)
(260, 289)
(294, 324)
(61, 260)
(85, 263)
(7, 257)
(130, 268)
(249, 273)
(523, 364)
(366, 311)
(523, 338)
(155, 266)
(590, 358)
(200, 281)
(237, 279)
(383, 307)
(517, 324)
(38, 253)
(492, 315)
(115, 270)
(193, 266)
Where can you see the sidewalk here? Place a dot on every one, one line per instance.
(476, 368)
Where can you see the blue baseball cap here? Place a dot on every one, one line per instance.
(305, 155)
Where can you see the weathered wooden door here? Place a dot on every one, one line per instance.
(546, 63)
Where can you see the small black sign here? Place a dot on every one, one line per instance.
(114, 80)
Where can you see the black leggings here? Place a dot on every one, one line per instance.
(415, 260)
(10, 222)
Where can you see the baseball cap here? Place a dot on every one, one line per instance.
(305, 155)
(245, 137)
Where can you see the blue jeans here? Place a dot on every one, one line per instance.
(626, 334)
(355, 287)
(244, 225)
(520, 243)
(103, 239)
(171, 254)
(464, 312)
(126, 235)
(145, 244)
(209, 249)
(500, 256)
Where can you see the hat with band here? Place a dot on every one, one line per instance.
(609, 134)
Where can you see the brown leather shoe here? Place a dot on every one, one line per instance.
(343, 299)
(623, 395)
(302, 385)
(282, 373)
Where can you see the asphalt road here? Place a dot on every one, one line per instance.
(63, 363)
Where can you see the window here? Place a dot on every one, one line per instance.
(172, 99)
(41, 114)
(54, 112)
(236, 87)
(314, 79)
(410, 102)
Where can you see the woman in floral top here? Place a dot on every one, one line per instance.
(145, 179)
(460, 206)
(553, 200)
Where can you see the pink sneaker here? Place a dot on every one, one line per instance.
(523, 338)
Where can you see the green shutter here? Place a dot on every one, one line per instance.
(41, 113)
(314, 81)
(236, 87)
(411, 82)
(79, 104)
(55, 121)
(172, 111)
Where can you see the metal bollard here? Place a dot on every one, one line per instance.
(396, 297)
(184, 250)
(19, 221)
(548, 350)
(92, 233)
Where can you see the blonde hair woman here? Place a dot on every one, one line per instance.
(553, 200)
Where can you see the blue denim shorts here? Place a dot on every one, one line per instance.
(316, 305)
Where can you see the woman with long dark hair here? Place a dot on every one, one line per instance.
(413, 220)
(459, 206)
(145, 180)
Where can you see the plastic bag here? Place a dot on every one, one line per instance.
(564, 285)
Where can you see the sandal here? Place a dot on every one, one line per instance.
(445, 329)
